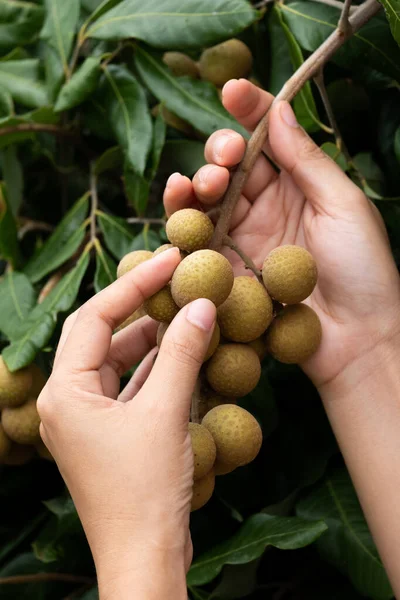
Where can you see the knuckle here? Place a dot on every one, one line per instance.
(311, 152)
(185, 353)
(45, 407)
(117, 362)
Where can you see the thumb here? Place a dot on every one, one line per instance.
(320, 179)
(184, 346)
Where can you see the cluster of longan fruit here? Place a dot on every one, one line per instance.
(19, 426)
(254, 317)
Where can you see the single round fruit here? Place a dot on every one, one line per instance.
(204, 450)
(230, 60)
(138, 314)
(247, 311)
(234, 370)
(236, 434)
(162, 328)
(260, 347)
(39, 380)
(189, 229)
(213, 345)
(19, 455)
(203, 274)
(221, 468)
(21, 423)
(295, 334)
(132, 260)
(181, 64)
(14, 387)
(162, 248)
(209, 401)
(43, 451)
(202, 491)
(289, 274)
(161, 306)
(5, 444)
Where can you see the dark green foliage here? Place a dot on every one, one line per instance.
(81, 145)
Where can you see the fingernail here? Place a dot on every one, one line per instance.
(171, 178)
(204, 174)
(288, 115)
(220, 145)
(201, 313)
(169, 251)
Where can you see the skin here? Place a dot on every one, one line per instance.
(136, 523)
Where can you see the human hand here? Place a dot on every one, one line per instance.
(311, 203)
(129, 463)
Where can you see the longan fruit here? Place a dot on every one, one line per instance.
(204, 450)
(234, 370)
(14, 387)
(132, 260)
(189, 229)
(202, 491)
(289, 274)
(21, 423)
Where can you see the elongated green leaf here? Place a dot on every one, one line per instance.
(170, 24)
(311, 23)
(128, 115)
(185, 156)
(118, 236)
(44, 115)
(348, 543)
(20, 22)
(258, 532)
(13, 177)
(281, 67)
(17, 298)
(6, 104)
(106, 269)
(21, 79)
(304, 104)
(332, 150)
(37, 329)
(80, 86)
(392, 10)
(147, 240)
(64, 522)
(397, 144)
(98, 7)
(60, 27)
(62, 244)
(195, 101)
(110, 159)
(9, 247)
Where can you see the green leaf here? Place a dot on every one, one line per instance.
(37, 329)
(194, 101)
(258, 532)
(333, 151)
(397, 144)
(118, 236)
(20, 22)
(43, 115)
(17, 298)
(106, 269)
(81, 85)
(53, 70)
(62, 244)
(9, 247)
(170, 24)
(48, 547)
(311, 23)
(147, 240)
(13, 176)
(392, 10)
(159, 133)
(98, 7)
(59, 28)
(128, 114)
(21, 79)
(185, 156)
(92, 594)
(372, 173)
(348, 543)
(110, 159)
(281, 67)
(6, 104)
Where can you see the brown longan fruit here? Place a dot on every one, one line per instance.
(138, 314)
(5, 444)
(39, 380)
(289, 274)
(247, 312)
(234, 370)
(237, 434)
(181, 64)
(202, 491)
(203, 274)
(21, 423)
(14, 387)
(19, 455)
(162, 248)
(229, 60)
(132, 260)
(173, 120)
(204, 450)
(211, 400)
(161, 306)
(295, 334)
(43, 451)
(260, 347)
(189, 229)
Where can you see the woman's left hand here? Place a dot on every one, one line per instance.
(127, 459)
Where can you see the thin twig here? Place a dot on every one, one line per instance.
(145, 221)
(254, 147)
(262, 4)
(344, 24)
(113, 55)
(31, 225)
(228, 241)
(39, 127)
(95, 203)
(41, 577)
(336, 4)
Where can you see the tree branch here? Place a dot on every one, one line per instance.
(336, 4)
(39, 127)
(254, 147)
(344, 25)
(145, 221)
(42, 577)
(228, 241)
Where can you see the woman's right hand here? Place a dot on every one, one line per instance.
(311, 203)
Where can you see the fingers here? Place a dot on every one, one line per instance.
(178, 194)
(318, 176)
(179, 360)
(139, 377)
(89, 340)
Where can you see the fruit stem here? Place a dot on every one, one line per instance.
(294, 84)
(228, 241)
